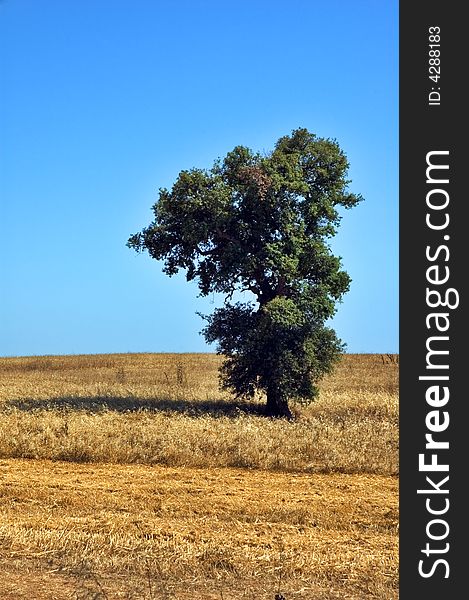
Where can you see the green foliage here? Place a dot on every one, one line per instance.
(260, 223)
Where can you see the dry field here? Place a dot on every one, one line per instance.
(132, 476)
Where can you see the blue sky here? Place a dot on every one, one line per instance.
(103, 102)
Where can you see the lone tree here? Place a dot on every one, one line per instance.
(260, 223)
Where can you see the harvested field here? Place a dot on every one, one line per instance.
(131, 476)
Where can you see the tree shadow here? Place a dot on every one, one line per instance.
(96, 404)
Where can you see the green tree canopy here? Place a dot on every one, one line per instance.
(261, 223)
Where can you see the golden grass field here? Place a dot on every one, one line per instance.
(133, 476)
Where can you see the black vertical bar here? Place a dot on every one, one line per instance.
(433, 229)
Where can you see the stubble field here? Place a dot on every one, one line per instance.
(132, 476)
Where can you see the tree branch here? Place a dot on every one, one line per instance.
(226, 236)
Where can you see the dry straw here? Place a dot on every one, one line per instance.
(132, 476)
(167, 409)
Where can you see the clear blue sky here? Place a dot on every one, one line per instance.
(103, 102)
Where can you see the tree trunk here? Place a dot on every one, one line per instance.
(277, 404)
